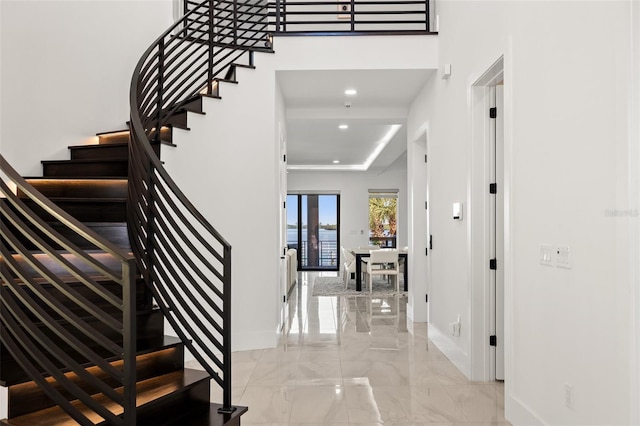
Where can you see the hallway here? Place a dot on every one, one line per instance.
(352, 361)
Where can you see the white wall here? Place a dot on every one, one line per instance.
(353, 188)
(567, 147)
(66, 71)
(228, 165)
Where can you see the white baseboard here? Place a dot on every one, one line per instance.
(517, 413)
(450, 349)
(239, 341)
(254, 340)
(4, 402)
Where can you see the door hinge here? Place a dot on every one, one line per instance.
(425, 206)
(426, 298)
(493, 112)
(493, 188)
(430, 242)
(493, 340)
(284, 204)
(493, 263)
(425, 158)
(426, 251)
(284, 299)
(284, 158)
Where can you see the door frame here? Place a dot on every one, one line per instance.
(419, 270)
(634, 226)
(482, 359)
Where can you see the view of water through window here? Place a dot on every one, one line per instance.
(313, 229)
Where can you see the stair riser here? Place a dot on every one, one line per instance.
(98, 188)
(91, 169)
(149, 325)
(123, 137)
(28, 397)
(105, 152)
(118, 137)
(189, 401)
(194, 106)
(115, 233)
(86, 211)
(179, 119)
(53, 294)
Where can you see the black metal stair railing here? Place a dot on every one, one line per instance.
(186, 263)
(51, 329)
(327, 17)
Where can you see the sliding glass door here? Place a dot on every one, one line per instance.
(313, 228)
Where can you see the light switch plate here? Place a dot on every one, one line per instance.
(547, 255)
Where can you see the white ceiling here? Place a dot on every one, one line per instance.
(315, 104)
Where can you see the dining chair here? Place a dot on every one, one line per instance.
(349, 265)
(383, 262)
(365, 260)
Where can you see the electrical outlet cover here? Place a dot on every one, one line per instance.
(563, 257)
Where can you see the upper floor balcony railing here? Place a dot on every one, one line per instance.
(386, 242)
(323, 257)
(300, 17)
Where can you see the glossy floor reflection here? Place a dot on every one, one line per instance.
(352, 361)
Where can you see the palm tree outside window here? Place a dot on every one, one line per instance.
(383, 217)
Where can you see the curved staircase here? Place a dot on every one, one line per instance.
(103, 249)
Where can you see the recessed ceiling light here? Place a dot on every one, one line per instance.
(343, 126)
(351, 92)
(336, 161)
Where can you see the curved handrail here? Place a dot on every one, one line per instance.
(186, 263)
(33, 253)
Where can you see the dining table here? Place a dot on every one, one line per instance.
(359, 253)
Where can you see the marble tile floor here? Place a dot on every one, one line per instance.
(353, 361)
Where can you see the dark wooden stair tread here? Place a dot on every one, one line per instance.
(112, 144)
(226, 80)
(147, 391)
(211, 417)
(105, 259)
(88, 199)
(85, 161)
(238, 65)
(79, 177)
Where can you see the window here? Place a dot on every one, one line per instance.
(383, 217)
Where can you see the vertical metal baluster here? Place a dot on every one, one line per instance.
(226, 333)
(277, 16)
(284, 16)
(426, 14)
(235, 22)
(353, 15)
(129, 340)
(210, 57)
(160, 88)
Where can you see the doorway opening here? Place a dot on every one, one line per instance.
(313, 229)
